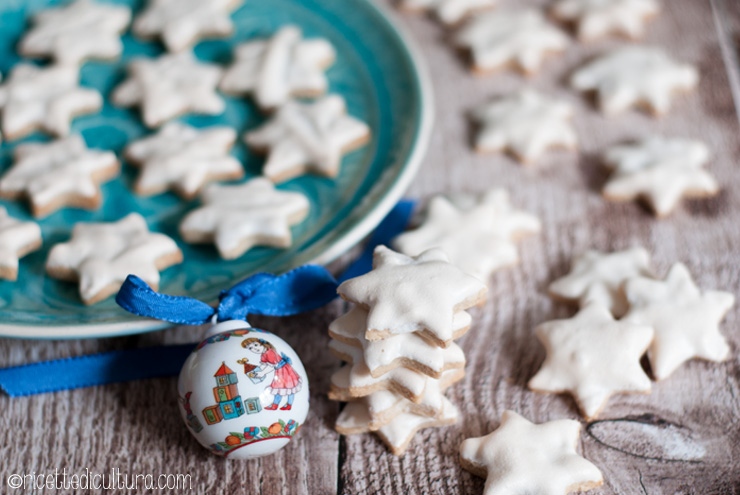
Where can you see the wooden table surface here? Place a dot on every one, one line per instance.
(683, 438)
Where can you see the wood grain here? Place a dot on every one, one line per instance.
(683, 438)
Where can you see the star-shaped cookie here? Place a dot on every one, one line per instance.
(635, 76)
(45, 98)
(308, 137)
(182, 23)
(520, 458)
(184, 159)
(373, 411)
(169, 86)
(58, 174)
(526, 124)
(357, 416)
(77, 32)
(17, 239)
(398, 433)
(521, 38)
(598, 18)
(101, 255)
(410, 294)
(236, 218)
(408, 350)
(659, 171)
(278, 68)
(478, 237)
(598, 277)
(354, 380)
(686, 320)
(592, 356)
(450, 12)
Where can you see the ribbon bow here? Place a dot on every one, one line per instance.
(302, 289)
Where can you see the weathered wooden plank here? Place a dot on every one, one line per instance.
(684, 437)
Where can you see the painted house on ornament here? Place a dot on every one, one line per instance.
(228, 401)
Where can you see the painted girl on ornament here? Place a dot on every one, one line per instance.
(286, 381)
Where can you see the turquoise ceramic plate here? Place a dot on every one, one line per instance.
(376, 71)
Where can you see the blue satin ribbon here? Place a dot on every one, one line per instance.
(302, 289)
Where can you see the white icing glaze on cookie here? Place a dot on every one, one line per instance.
(184, 159)
(77, 32)
(45, 98)
(661, 171)
(449, 11)
(521, 37)
(408, 350)
(376, 410)
(398, 433)
(17, 239)
(408, 294)
(102, 255)
(57, 174)
(280, 67)
(592, 356)
(182, 23)
(525, 123)
(537, 459)
(236, 218)
(355, 380)
(303, 137)
(477, 236)
(599, 18)
(635, 76)
(686, 320)
(169, 86)
(598, 277)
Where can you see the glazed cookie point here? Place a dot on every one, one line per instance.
(281, 67)
(522, 38)
(408, 294)
(537, 459)
(17, 239)
(477, 232)
(526, 124)
(182, 23)
(101, 255)
(635, 76)
(355, 380)
(237, 217)
(58, 174)
(598, 18)
(686, 320)
(308, 137)
(659, 171)
(592, 356)
(79, 31)
(45, 98)
(598, 277)
(184, 159)
(170, 86)
(408, 350)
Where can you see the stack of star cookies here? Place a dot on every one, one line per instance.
(398, 343)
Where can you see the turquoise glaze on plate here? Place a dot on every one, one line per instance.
(376, 71)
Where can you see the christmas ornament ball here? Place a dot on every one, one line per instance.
(243, 392)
